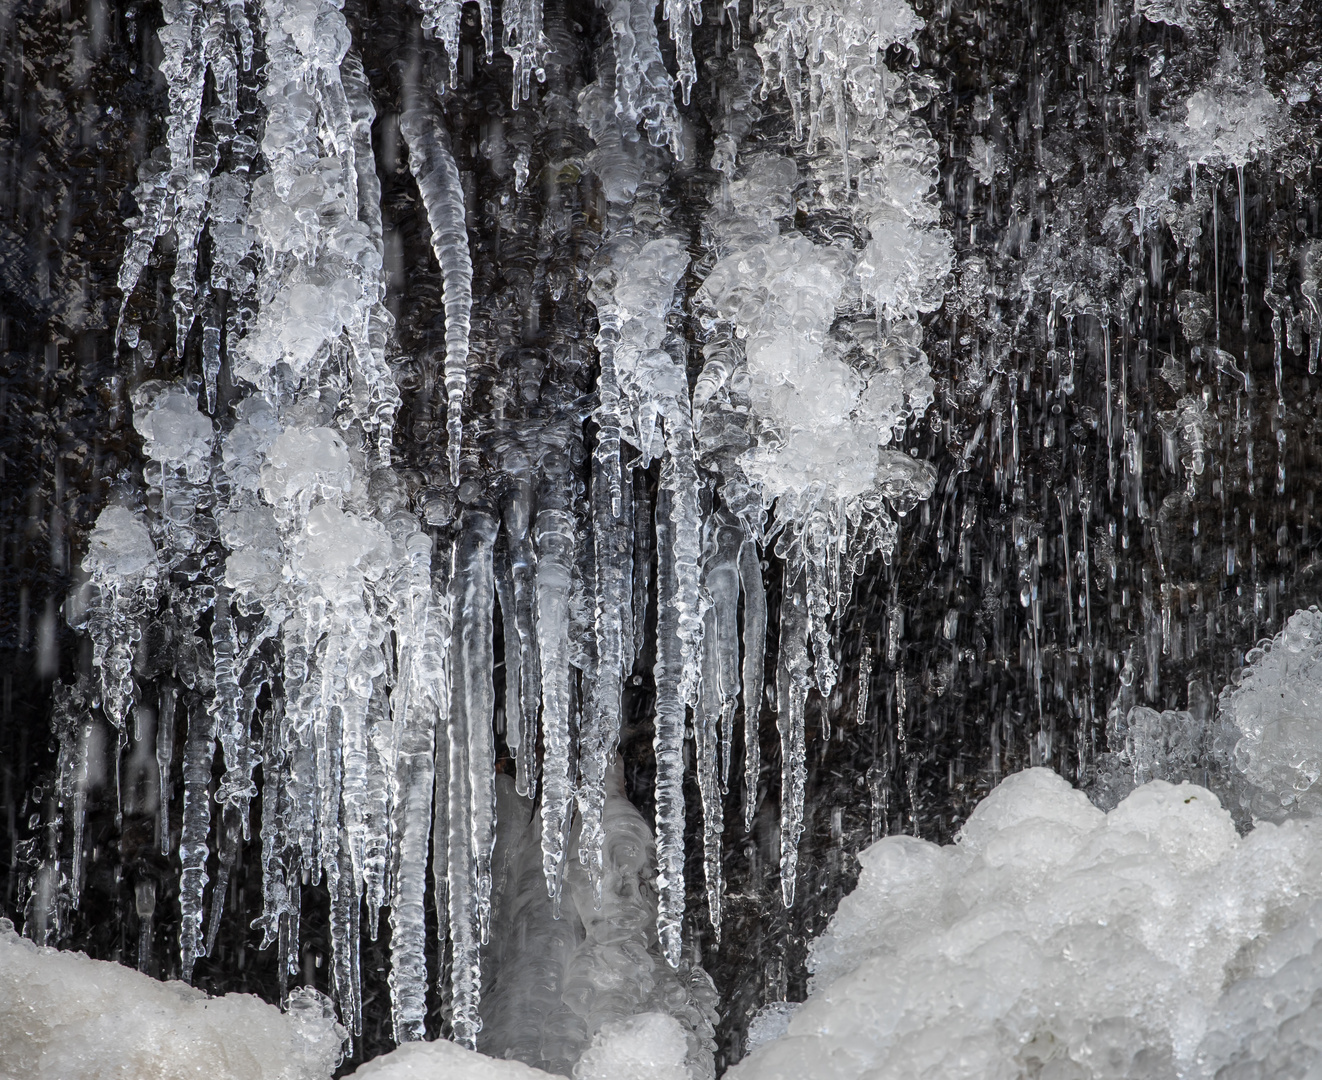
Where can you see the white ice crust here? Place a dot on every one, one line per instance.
(1055, 940)
(65, 1017)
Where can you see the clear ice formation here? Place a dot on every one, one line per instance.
(335, 617)
(346, 665)
(1054, 939)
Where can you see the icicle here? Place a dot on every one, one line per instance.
(524, 43)
(443, 195)
(555, 558)
(442, 18)
(642, 559)
(193, 850)
(236, 787)
(522, 724)
(668, 743)
(792, 684)
(707, 766)
(613, 556)
(472, 759)
(720, 578)
(344, 933)
(229, 852)
(755, 646)
(865, 677)
(164, 755)
(438, 690)
(376, 820)
(415, 717)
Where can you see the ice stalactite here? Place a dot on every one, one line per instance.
(555, 548)
(124, 569)
(442, 194)
(472, 761)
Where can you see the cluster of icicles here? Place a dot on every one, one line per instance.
(351, 649)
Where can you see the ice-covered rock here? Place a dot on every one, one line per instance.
(1055, 940)
(65, 1017)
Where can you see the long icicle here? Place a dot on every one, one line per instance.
(472, 763)
(555, 560)
(668, 743)
(755, 645)
(437, 175)
(613, 554)
(793, 680)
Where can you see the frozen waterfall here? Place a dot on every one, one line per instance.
(633, 541)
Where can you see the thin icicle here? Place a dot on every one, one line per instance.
(193, 849)
(720, 573)
(164, 755)
(521, 730)
(613, 557)
(416, 717)
(555, 561)
(755, 646)
(642, 560)
(344, 933)
(707, 766)
(668, 743)
(472, 783)
(792, 684)
(376, 846)
(443, 196)
(864, 682)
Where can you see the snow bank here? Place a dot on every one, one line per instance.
(1053, 940)
(65, 1017)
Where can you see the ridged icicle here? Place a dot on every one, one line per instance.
(755, 646)
(793, 680)
(472, 761)
(668, 743)
(555, 561)
(443, 196)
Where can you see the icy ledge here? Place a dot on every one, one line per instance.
(1051, 941)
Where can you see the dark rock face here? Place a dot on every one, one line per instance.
(1123, 432)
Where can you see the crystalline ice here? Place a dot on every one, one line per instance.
(1275, 710)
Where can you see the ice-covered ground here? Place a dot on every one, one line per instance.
(65, 1017)
(1052, 940)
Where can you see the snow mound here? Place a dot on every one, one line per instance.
(65, 1017)
(431, 1060)
(1055, 940)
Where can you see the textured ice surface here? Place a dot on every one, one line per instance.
(65, 1017)
(120, 546)
(1055, 940)
(1275, 707)
(428, 1061)
(650, 1046)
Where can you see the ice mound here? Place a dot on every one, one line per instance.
(1055, 940)
(430, 1060)
(65, 1017)
(1275, 707)
(649, 1046)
